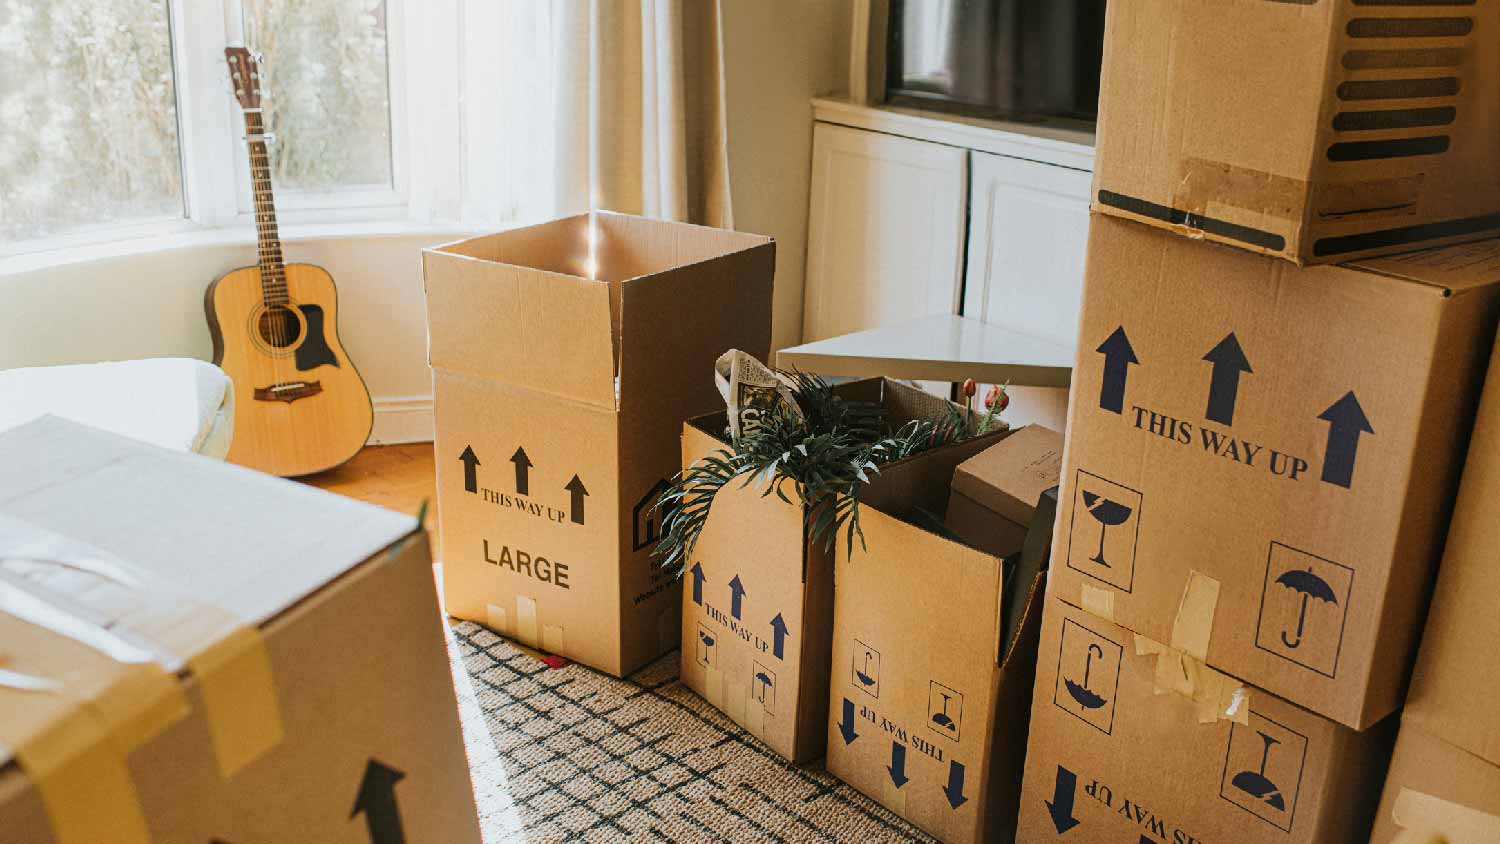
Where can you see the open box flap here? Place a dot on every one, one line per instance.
(534, 328)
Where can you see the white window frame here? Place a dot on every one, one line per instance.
(424, 188)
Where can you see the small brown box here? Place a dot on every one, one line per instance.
(1262, 458)
(995, 492)
(1316, 131)
(565, 357)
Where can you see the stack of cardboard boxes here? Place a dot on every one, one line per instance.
(1263, 454)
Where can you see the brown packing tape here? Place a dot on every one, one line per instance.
(494, 619)
(83, 780)
(1203, 185)
(552, 638)
(526, 627)
(1218, 696)
(713, 688)
(239, 699)
(1097, 602)
(1442, 820)
(1194, 624)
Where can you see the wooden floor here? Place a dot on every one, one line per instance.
(398, 477)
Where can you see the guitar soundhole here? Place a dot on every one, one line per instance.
(278, 326)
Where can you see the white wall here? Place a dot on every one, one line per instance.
(151, 305)
(778, 55)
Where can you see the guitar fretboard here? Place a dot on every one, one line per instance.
(268, 240)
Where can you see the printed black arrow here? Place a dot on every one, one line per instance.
(1346, 421)
(698, 583)
(523, 471)
(1224, 386)
(1118, 356)
(377, 800)
(897, 767)
(736, 597)
(576, 487)
(955, 789)
(778, 644)
(471, 477)
(1061, 804)
(846, 726)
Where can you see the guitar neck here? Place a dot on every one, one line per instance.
(268, 239)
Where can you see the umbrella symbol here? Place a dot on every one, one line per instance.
(1080, 692)
(765, 683)
(708, 642)
(864, 675)
(943, 719)
(1255, 783)
(1107, 513)
(1311, 586)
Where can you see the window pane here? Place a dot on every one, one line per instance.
(88, 115)
(328, 94)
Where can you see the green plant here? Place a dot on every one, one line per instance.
(826, 455)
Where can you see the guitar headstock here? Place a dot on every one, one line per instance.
(244, 76)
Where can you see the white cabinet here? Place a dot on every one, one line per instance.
(885, 230)
(1028, 230)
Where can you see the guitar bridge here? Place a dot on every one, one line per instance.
(288, 391)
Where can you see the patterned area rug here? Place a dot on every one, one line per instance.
(573, 755)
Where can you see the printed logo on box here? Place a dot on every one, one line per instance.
(706, 647)
(945, 710)
(1088, 674)
(1263, 770)
(1303, 608)
(645, 520)
(1104, 530)
(865, 670)
(763, 687)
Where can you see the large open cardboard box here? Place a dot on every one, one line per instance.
(1262, 458)
(757, 597)
(565, 357)
(1132, 742)
(1317, 131)
(1445, 777)
(191, 651)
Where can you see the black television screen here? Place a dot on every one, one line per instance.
(1021, 59)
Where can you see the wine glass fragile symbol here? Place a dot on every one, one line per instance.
(1108, 514)
(1256, 784)
(943, 719)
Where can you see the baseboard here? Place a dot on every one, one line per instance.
(402, 419)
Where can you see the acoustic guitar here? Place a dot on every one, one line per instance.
(299, 404)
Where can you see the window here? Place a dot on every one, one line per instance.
(88, 121)
(116, 118)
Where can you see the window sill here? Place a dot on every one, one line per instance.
(230, 235)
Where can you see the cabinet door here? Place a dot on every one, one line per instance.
(1028, 231)
(885, 235)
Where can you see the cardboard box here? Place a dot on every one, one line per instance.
(1445, 777)
(1262, 458)
(995, 492)
(565, 357)
(1317, 131)
(1130, 742)
(233, 657)
(931, 692)
(757, 599)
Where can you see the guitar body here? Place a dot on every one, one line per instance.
(299, 405)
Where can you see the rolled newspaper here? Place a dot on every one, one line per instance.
(751, 391)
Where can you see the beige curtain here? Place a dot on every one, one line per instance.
(640, 110)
